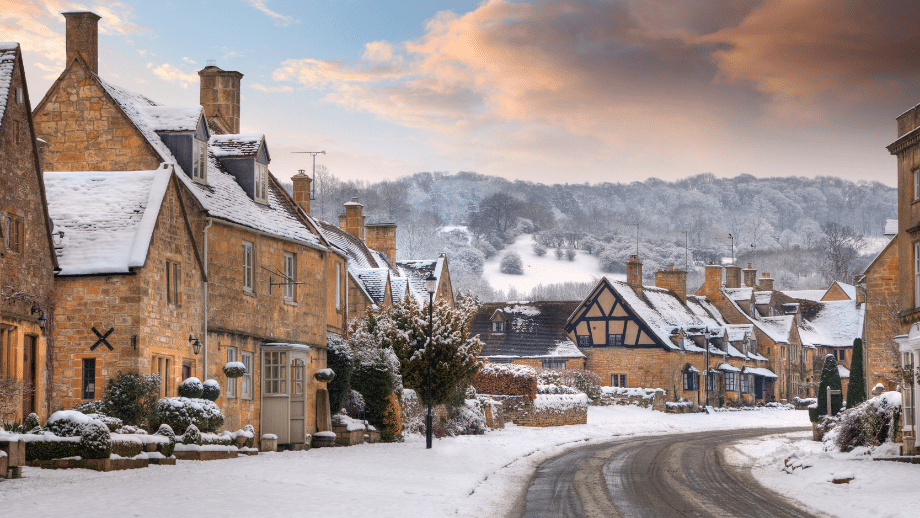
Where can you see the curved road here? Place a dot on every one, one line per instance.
(663, 476)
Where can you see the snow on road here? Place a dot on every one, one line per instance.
(470, 476)
(878, 488)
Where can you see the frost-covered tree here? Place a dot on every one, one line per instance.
(511, 263)
(841, 246)
(539, 249)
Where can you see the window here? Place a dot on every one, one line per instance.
(290, 274)
(199, 161)
(247, 266)
(186, 370)
(583, 340)
(13, 234)
(916, 175)
(338, 286)
(730, 384)
(498, 327)
(553, 364)
(297, 373)
(20, 97)
(782, 351)
(274, 378)
(841, 355)
(231, 382)
(712, 381)
(246, 379)
(691, 380)
(162, 366)
(916, 274)
(614, 340)
(617, 380)
(89, 378)
(907, 389)
(261, 182)
(752, 348)
(173, 282)
(747, 383)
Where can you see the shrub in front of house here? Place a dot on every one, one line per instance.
(31, 422)
(391, 424)
(467, 419)
(67, 423)
(166, 449)
(192, 435)
(234, 369)
(338, 358)
(131, 398)
(49, 446)
(506, 379)
(354, 405)
(870, 424)
(191, 388)
(324, 375)
(113, 423)
(181, 412)
(92, 407)
(95, 441)
(126, 446)
(210, 390)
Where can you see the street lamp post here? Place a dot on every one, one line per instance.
(431, 283)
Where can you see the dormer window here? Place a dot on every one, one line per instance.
(199, 161)
(261, 183)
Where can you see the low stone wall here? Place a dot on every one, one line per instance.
(644, 398)
(93, 464)
(545, 410)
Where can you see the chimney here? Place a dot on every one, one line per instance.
(733, 276)
(302, 190)
(674, 280)
(750, 276)
(220, 97)
(766, 283)
(83, 38)
(634, 273)
(382, 238)
(712, 282)
(353, 220)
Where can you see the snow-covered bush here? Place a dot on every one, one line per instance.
(192, 435)
(354, 404)
(583, 380)
(234, 369)
(113, 423)
(570, 254)
(191, 388)
(95, 440)
(324, 375)
(511, 264)
(67, 423)
(556, 389)
(338, 358)
(31, 421)
(413, 416)
(210, 390)
(468, 419)
(539, 249)
(92, 407)
(125, 445)
(869, 424)
(180, 412)
(166, 449)
(47, 446)
(131, 430)
(559, 253)
(131, 398)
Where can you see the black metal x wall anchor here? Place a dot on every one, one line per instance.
(102, 339)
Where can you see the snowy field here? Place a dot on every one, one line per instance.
(471, 476)
(543, 270)
(878, 489)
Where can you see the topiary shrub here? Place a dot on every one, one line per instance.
(391, 425)
(234, 369)
(131, 430)
(324, 375)
(31, 421)
(166, 449)
(856, 389)
(252, 435)
(192, 435)
(191, 388)
(210, 390)
(830, 379)
(92, 407)
(166, 431)
(67, 423)
(95, 441)
(338, 358)
(52, 448)
(126, 447)
(131, 398)
(113, 423)
(180, 412)
(354, 405)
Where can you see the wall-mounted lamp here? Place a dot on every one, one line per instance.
(42, 321)
(196, 345)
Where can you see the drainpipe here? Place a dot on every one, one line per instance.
(205, 369)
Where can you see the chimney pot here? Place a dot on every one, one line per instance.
(634, 273)
(83, 38)
(302, 184)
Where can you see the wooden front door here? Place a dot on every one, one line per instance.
(298, 401)
(28, 393)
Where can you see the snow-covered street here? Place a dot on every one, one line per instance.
(462, 476)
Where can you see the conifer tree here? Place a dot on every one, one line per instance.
(830, 379)
(856, 390)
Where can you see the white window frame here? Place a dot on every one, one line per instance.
(246, 384)
(20, 97)
(916, 177)
(199, 161)
(615, 339)
(498, 327)
(231, 382)
(338, 286)
(553, 364)
(290, 273)
(730, 385)
(274, 376)
(248, 271)
(260, 178)
(583, 340)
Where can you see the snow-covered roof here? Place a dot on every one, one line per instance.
(662, 311)
(813, 295)
(849, 289)
(891, 228)
(359, 255)
(728, 367)
(533, 329)
(171, 118)
(836, 324)
(231, 145)
(762, 297)
(738, 332)
(374, 281)
(778, 328)
(844, 372)
(7, 63)
(415, 272)
(222, 197)
(737, 294)
(107, 217)
(760, 371)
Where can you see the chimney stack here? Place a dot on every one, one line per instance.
(220, 97)
(766, 282)
(353, 220)
(302, 190)
(382, 238)
(674, 280)
(732, 276)
(750, 276)
(83, 38)
(634, 273)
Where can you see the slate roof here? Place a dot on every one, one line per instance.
(373, 281)
(7, 64)
(171, 118)
(236, 145)
(359, 255)
(108, 217)
(222, 197)
(533, 329)
(836, 324)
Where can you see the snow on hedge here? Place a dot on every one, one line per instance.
(560, 402)
(644, 393)
(499, 369)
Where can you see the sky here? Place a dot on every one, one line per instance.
(567, 91)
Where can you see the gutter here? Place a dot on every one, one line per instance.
(208, 226)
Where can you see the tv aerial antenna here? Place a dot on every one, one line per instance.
(313, 183)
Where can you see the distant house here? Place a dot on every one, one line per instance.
(527, 333)
(27, 259)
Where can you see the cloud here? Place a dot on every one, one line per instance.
(278, 18)
(189, 60)
(264, 88)
(171, 74)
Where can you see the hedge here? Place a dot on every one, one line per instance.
(506, 380)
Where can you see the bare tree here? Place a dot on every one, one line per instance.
(840, 247)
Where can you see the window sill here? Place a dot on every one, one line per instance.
(249, 293)
(290, 303)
